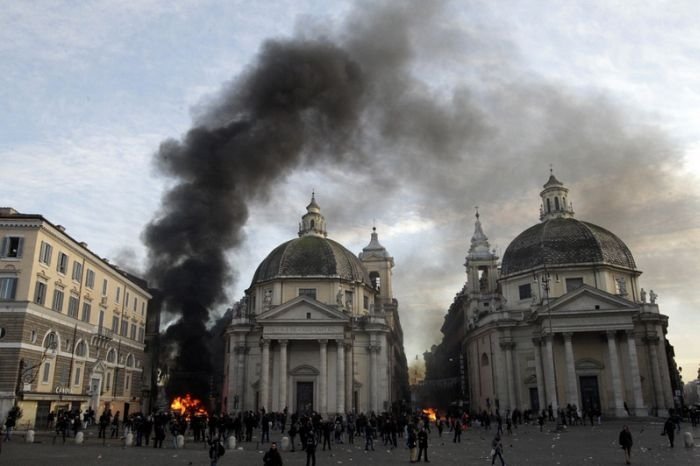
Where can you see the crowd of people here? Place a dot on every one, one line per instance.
(309, 431)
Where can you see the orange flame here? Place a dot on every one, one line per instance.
(186, 405)
(431, 413)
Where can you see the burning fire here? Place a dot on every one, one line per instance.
(431, 413)
(186, 405)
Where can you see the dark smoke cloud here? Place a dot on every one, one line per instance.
(366, 108)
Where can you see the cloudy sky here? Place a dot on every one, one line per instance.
(462, 103)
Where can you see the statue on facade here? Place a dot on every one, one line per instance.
(339, 299)
(621, 286)
(643, 296)
(267, 299)
(652, 297)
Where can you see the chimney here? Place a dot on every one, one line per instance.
(7, 212)
(61, 227)
(83, 244)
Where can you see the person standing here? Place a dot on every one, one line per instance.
(497, 450)
(411, 444)
(626, 443)
(272, 457)
(311, 448)
(423, 444)
(458, 432)
(669, 430)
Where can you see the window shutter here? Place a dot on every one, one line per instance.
(5, 245)
(20, 246)
(13, 290)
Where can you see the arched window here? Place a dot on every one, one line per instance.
(312, 223)
(111, 356)
(51, 341)
(375, 280)
(484, 360)
(130, 361)
(81, 349)
(549, 206)
(556, 203)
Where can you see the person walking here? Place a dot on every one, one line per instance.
(497, 450)
(458, 432)
(626, 443)
(272, 457)
(411, 442)
(669, 430)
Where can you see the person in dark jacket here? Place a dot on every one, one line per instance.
(626, 443)
(311, 448)
(272, 457)
(497, 450)
(669, 430)
(423, 445)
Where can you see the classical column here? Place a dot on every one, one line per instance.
(283, 374)
(549, 377)
(652, 342)
(571, 385)
(615, 375)
(241, 351)
(265, 375)
(323, 377)
(538, 373)
(373, 350)
(510, 376)
(340, 378)
(639, 409)
(348, 378)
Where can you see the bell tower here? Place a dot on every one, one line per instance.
(379, 265)
(482, 273)
(313, 223)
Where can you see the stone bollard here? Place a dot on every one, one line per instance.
(688, 440)
(285, 444)
(30, 436)
(181, 441)
(129, 439)
(79, 438)
(231, 442)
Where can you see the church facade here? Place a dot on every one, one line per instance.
(318, 330)
(561, 320)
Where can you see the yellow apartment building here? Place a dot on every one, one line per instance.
(72, 325)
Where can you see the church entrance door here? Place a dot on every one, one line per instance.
(534, 400)
(305, 397)
(590, 397)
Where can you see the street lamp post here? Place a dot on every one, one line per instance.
(545, 283)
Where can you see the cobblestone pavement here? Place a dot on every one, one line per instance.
(576, 446)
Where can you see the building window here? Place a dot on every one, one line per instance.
(525, 291)
(126, 299)
(115, 324)
(117, 298)
(40, 293)
(45, 253)
(12, 247)
(309, 292)
(141, 334)
(573, 283)
(51, 341)
(108, 384)
(104, 287)
(132, 332)
(77, 376)
(62, 264)
(90, 279)
(77, 271)
(111, 356)
(365, 302)
(135, 301)
(57, 304)
(8, 288)
(47, 371)
(130, 361)
(73, 306)
(484, 360)
(86, 312)
(125, 328)
(81, 349)
(143, 308)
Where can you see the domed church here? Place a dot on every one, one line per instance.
(561, 321)
(318, 329)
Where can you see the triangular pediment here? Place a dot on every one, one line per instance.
(587, 298)
(303, 308)
(98, 368)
